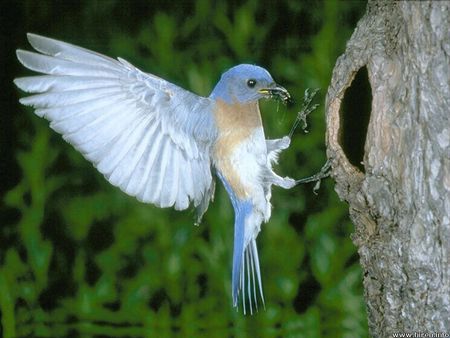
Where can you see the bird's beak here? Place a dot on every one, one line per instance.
(277, 92)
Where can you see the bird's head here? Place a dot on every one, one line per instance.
(248, 83)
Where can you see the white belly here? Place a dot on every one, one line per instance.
(248, 159)
(243, 168)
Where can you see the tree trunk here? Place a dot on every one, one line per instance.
(398, 185)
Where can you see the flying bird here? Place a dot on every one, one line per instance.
(161, 143)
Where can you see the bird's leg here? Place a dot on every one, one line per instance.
(288, 183)
(283, 182)
(307, 109)
(274, 147)
(278, 144)
(324, 172)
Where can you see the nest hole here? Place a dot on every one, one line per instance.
(355, 115)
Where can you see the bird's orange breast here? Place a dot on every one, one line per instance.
(235, 125)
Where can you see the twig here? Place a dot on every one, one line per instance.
(307, 108)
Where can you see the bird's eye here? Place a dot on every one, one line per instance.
(251, 83)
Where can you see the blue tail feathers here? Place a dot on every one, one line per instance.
(246, 275)
(248, 280)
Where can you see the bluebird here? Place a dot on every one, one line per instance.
(161, 143)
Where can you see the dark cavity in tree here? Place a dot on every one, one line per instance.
(355, 116)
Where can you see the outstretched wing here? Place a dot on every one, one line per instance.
(147, 136)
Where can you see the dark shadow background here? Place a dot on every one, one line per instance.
(79, 258)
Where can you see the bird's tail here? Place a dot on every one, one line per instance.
(246, 275)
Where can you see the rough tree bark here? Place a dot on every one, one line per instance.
(399, 197)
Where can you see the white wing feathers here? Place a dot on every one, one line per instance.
(147, 136)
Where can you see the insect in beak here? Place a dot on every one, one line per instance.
(277, 92)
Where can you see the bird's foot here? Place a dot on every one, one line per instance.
(324, 172)
(284, 142)
(278, 144)
(288, 183)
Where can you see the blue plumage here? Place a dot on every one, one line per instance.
(233, 84)
(242, 252)
(159, 142)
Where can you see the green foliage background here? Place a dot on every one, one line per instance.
(79, 258)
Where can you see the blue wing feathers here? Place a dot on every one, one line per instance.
(106, 107)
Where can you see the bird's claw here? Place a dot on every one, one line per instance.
(285, 142)
(324, 172)
(289, 183)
